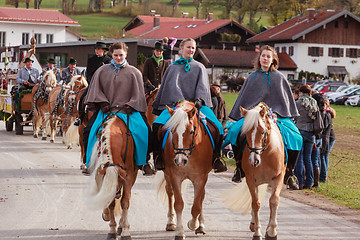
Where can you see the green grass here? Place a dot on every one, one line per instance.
(342, 185)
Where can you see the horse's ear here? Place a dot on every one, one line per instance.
(55, 71)
(71, 75)
(44, 70)
(192, 112)
(171, 111)
(262, 112)
(243, 111)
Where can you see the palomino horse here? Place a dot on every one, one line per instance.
(113, 174)
(187, 156)
(40, 107)
(62, 104)
(263, 162)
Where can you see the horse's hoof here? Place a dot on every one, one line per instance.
(43, 138)
(111, 236)
(170, 227)
(179, 237)
(200, 230)
(52, 141)
(119, 231)
(193, 228)
(106, 218)
(35, 136)
(256, 238)
(267, 237)
(252, 227)
(125, 238)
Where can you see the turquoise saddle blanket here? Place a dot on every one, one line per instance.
(137, 127)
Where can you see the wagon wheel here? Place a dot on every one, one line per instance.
(18, 126)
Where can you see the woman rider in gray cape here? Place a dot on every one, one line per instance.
(270, 86)
(186, 79)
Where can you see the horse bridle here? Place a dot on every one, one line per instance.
(192, 145)
(259, 150)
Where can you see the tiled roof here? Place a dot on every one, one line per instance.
(23, 15)
(298, 26)
(240, 59)
(178, 27)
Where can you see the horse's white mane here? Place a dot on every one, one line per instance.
(178, 121)
(253, 118)
(74, 79)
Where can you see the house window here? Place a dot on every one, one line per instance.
(336, 52)
(277, 49)
(291, 51)
(25, 38)
(336, 24)
(49, 38)
(283, 49)
(346, 24)
(38, 38)
(314, 51)
(290, 76)
(352, 52)
(2, 39)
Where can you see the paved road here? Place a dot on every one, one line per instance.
(42, 193)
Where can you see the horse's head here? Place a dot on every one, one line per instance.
(49, 80)
(257, 128)
(76, 83)
(183, 126)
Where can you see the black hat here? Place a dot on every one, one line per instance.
(51, 60)
(101, 45)
(28, 60)
(159, 46)
(72, 61)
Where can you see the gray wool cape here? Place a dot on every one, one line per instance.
(277, 95)
(177, 84)
(122, 88)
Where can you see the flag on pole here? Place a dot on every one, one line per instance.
(6, 58)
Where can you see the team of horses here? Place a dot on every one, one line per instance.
(185, 152)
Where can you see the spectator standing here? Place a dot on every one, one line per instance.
(154, 68)
(328, 141)
(27, 76)
(221, 112)
(168, 47)
(70, 71)
(95, 61)
(307, 107)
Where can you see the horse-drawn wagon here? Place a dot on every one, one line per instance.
(15, 107)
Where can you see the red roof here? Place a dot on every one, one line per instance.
(178, 27)
(35, 16)
(298, 26)
(241, 59)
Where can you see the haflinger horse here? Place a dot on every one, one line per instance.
(113, 174)
(187, 155)
(263, 162)
(62, 104)
(150, 97)
(40, 107)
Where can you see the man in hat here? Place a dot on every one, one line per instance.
(221, 112)
(95, 61)
(51, 66)
(27, 76)
(154, 68)
(70, 71)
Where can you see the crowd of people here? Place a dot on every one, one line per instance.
(117, 87)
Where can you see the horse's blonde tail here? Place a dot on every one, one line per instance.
(239, 198)
(103, 188)
(161, 190)
(71, 136)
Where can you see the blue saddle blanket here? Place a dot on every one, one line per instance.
(290, 133)
(138, 129)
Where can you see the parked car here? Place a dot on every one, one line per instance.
(340, 89)
(353, 101)
(341, 99)
(319, 85)
(329, 88)
(334, 95)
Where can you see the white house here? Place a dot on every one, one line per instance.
(326, 43)
(18, 25)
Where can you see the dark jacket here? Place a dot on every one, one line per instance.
(152, 72)
(94, 62)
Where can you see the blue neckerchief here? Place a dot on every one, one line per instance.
(184, 61)
(266, 74)
(117, 66)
